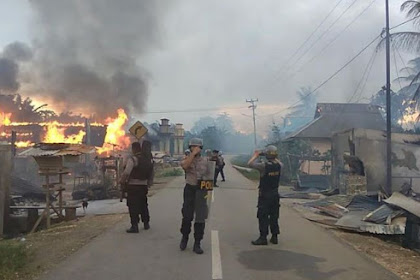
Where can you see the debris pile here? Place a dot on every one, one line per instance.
(398, 214)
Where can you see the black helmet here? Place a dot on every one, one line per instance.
(271, 152)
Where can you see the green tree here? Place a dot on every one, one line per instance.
(213, 137)
(410, 41)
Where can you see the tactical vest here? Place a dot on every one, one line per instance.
(141, 171)
(271, 178)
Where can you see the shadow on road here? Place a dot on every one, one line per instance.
(306, 266)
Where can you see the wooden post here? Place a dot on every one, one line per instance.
(5, 181)
(60, 194)
(47, 206)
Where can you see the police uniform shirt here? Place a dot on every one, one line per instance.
(130, 163)
(260, 166)
(196, 171)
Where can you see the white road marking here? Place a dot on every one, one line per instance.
(216, 259)
(212, 195)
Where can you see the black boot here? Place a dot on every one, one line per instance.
(146, 226)
(260, 241)
(133, 229)
(274, 239)
(184, 243)
(197, 248)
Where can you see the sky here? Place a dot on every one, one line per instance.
(213, 55)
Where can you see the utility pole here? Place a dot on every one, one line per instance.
(253, 106)
(388, 104)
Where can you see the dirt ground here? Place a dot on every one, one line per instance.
(385, 250)
(48, 248)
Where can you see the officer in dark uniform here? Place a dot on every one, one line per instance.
(194, 205)
(138, 177)
(268, 198)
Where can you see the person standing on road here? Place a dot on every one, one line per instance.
(138, 177)
(222, 165)
(268, 196)
(215, 157)
(195, 198)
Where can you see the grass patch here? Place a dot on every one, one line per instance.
(253, 175)
(169, 172)
(242, 161)
(13, 257)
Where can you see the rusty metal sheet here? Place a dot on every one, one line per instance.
(354, 221)
(383, 215)
(342, 200)
(70, 150)
(406, 203)
(334, 210)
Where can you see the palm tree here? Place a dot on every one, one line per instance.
(410, 41)
(307, 104)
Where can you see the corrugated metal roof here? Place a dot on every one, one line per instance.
(70, 150)
(406, 203)
(338, 117)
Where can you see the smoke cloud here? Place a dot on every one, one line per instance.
(8, 75)
(18, 51)
(86, 52)
(9, 67)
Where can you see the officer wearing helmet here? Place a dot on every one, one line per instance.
(268, 196)
(194, 206)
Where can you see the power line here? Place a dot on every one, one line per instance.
(402, 60)
(195, 110)
(331, 77)
(313, 33)
(396, 67)
(338, 35)
(405, 22)
(326, 31)
(359, 98)
(363, 76)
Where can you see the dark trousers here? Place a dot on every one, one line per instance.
(216, 174)
(222, 173)
(188, 208)
(268, 213)
(137, 204)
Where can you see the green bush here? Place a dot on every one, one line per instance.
(171, 172)
(241, 160)
(13, 257)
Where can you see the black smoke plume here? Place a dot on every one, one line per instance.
(87, 53)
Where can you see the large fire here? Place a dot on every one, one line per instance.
(5, 119)
(115, 134)
(54, 132)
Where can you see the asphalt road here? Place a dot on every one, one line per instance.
(305, 250)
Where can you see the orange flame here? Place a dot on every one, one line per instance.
(55, 132)
(5, 118)
(23, 144)
(115, 134)
(57, 135)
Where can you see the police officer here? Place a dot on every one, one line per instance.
(222, 165)
(138, 177)
(195, 167)
(268, 198)
(215, 157)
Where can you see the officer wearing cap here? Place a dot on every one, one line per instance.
(195, 167)
(268, 196)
